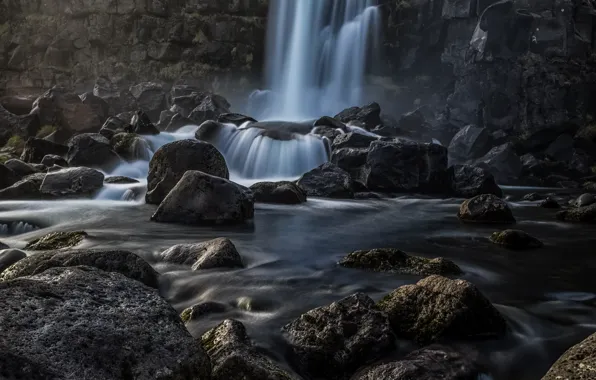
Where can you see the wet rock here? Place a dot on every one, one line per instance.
(577, 363)
(130, 146)
(92, 150)
(9, 257)
(200, 198)
(94, 322)
(27, 188)
(178, 121)
(395, 261)
(209, 107)
(350, 159)
(533, 197)
(17, 105)
(142, 125)
(486, 208)
(469, 143)
(437, 308)
(369, 115)
(234, 357)
(150, 97)
(164, 119)
(50, 160)
(328, 181)
(470, 181)
(515, 239)
(57, 240)
(21, 169)
(590, 186)
(216, 253)
(198, 311)
(278, 192)
(120, 180)
(113, 126)
(235, 118)
(36, 149)
(431, 363)
(123, 262)
(7, 177)
(503, 163)
(71, 182)
(330, 122)
(582, 201)
(578, 215)
(549, 203)
(352, 140)
(172, 160)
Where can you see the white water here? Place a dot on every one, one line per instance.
(317, 56)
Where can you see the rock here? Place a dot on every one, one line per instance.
(395, 261)
(209, 107)
(7, 177)
(73, 321)
(17, 105)
(9, 257)
(164, 119)
(130, 146)
(99, 106)
(57, 240)
(590, 186)
(71, 182)
(235, 118)
(119, 99)
(178, 121)
(430, 363)
(36, 149)
(333, 341)
(113, 126)
(437, 308)
(414, 121)
(150, 97)
(329, 133)
(352, 140)
(549, 203)
(578, 215)
(3, 246)
(516, 240)
(142, 125)
(369, 115)
(486, 208)
(577, 363)
(200, 198)
(26, 188)
(278, 192)
(93, 150)
(582, 201)
(469, 143)
(195, 312)
(50, 160)
(328, 181)
(503, 163)
(120, 180)
(533, 197)
(216, 253)
(20, 169)
(123, 262)
(172, 160)
(561, 149)
(17, 125)
(350, 159)
(469, 181)
(234, 357)
(330, 122)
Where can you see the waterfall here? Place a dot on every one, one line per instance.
(317, 56)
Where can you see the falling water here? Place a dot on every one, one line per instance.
(318, 53)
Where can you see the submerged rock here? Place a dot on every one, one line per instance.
(578, 215)
(9, 257)
(195, 312)
(577, 363)
(80, 322)
(486, 208)
(172, 160)
(328, 181)
(130, 146)
(278, 192)
(71, 182)
(123, 262)
(515, 239)
(332, 341)
(234, 357)
(57, 240)
(437, 308)
(469, 181)
(92, 150)
(216, 253)
(200, 198)
(395, 261)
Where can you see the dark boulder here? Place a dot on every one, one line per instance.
(330, 122)
(178, 121)
(200, 198)
(18, 125)
(515, 240)
(327, 181)
(26, 188)
(581, 201)
(92, 150)
(278, 192)
(99, 106)
(150, 98)
(57, 240)
(119, 99)
(130, 146)
(469, 143)
(113, 126)
(352, 140)
(216, 253)
(50, 160)
(164, 119)
(350, 159)
(71, 182)
(17, 105)
(437, 308)
(36, 149)
(235, 118)
(209, 107)
(413, 122)
(579, 215)
(9, 257)
(550, 203)
(120, 180)
(200, 310)
(21, 169)
(142, 125)
(577, 363)
(469, 181)
(369, 115)
(486, 208)
(503, 163)
(7, 177)
(172, 160)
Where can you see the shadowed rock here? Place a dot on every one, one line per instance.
(579, 215)
(515, 239)
(36, 149)
(9, 257)
(328, 181)
(216, 253)
(278, 192)
(71, 182)
(195, 312)
(57, 240)
(470, 181)
(93, 150)
(577, 363)
(486, 208)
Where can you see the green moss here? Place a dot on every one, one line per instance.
(186, 314)
(16, 143)
(57, 240)
(45, 131)
(4, 28)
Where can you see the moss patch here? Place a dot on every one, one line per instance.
(45, 131)
(57, 240)
(16, 143)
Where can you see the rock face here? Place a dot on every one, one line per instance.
(333, 341)
(469, 143)
(200, 198)
(197, 311)
(123, 262)
(328, 181)
(9, 257)
(216, 253)
(438, 308)
(396, 261)
(515, 239)
(234, 357)
(57, 240)
(93, 150)
(278, 192)
(470, 181)
(485, 208)
(172, 160)
(100, 325)
(579, 362)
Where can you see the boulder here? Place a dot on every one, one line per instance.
(142, 125)
(412, 122)
(333, 341)
(17, 105)
(123, 262)
(437, 308)
(278, 192)
(18, 125)
(164, 119)
(113, 126)
(57, 240)
(209, 107)
(369, 115)
(200, 198)
(7, 177)
(130, 146)
(235, 118)
(352, 140)
(36, 149)
(216, 253)
(578, 215)
(20, 169)
(178, 121)
(328, 181)
(234, 357)
(71, 182)
(26, 188)
(150, 98)
(80, 322)
(549, 203)
(503, 163)
(469, 181)
(3, 246)
(582, 201)
(330, 122)
(469, 143)
(99, 106)
(50, 160)
(533, 197)
(395, 261)
(9, 257)
(120, 180)
(93, 150)
(200, 310)
(172, 160)
(561, 149)
(485, 208)
(120, 100)
(577, 363)
(329, 133)
(515, 239)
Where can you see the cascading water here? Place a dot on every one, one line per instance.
(318, 53)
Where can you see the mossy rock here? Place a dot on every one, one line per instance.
(15, 143)
(57, 240)
(515, 239)
(395, 261)
(486, 209)
(197, 311)
(579, 215)
(45, 131)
